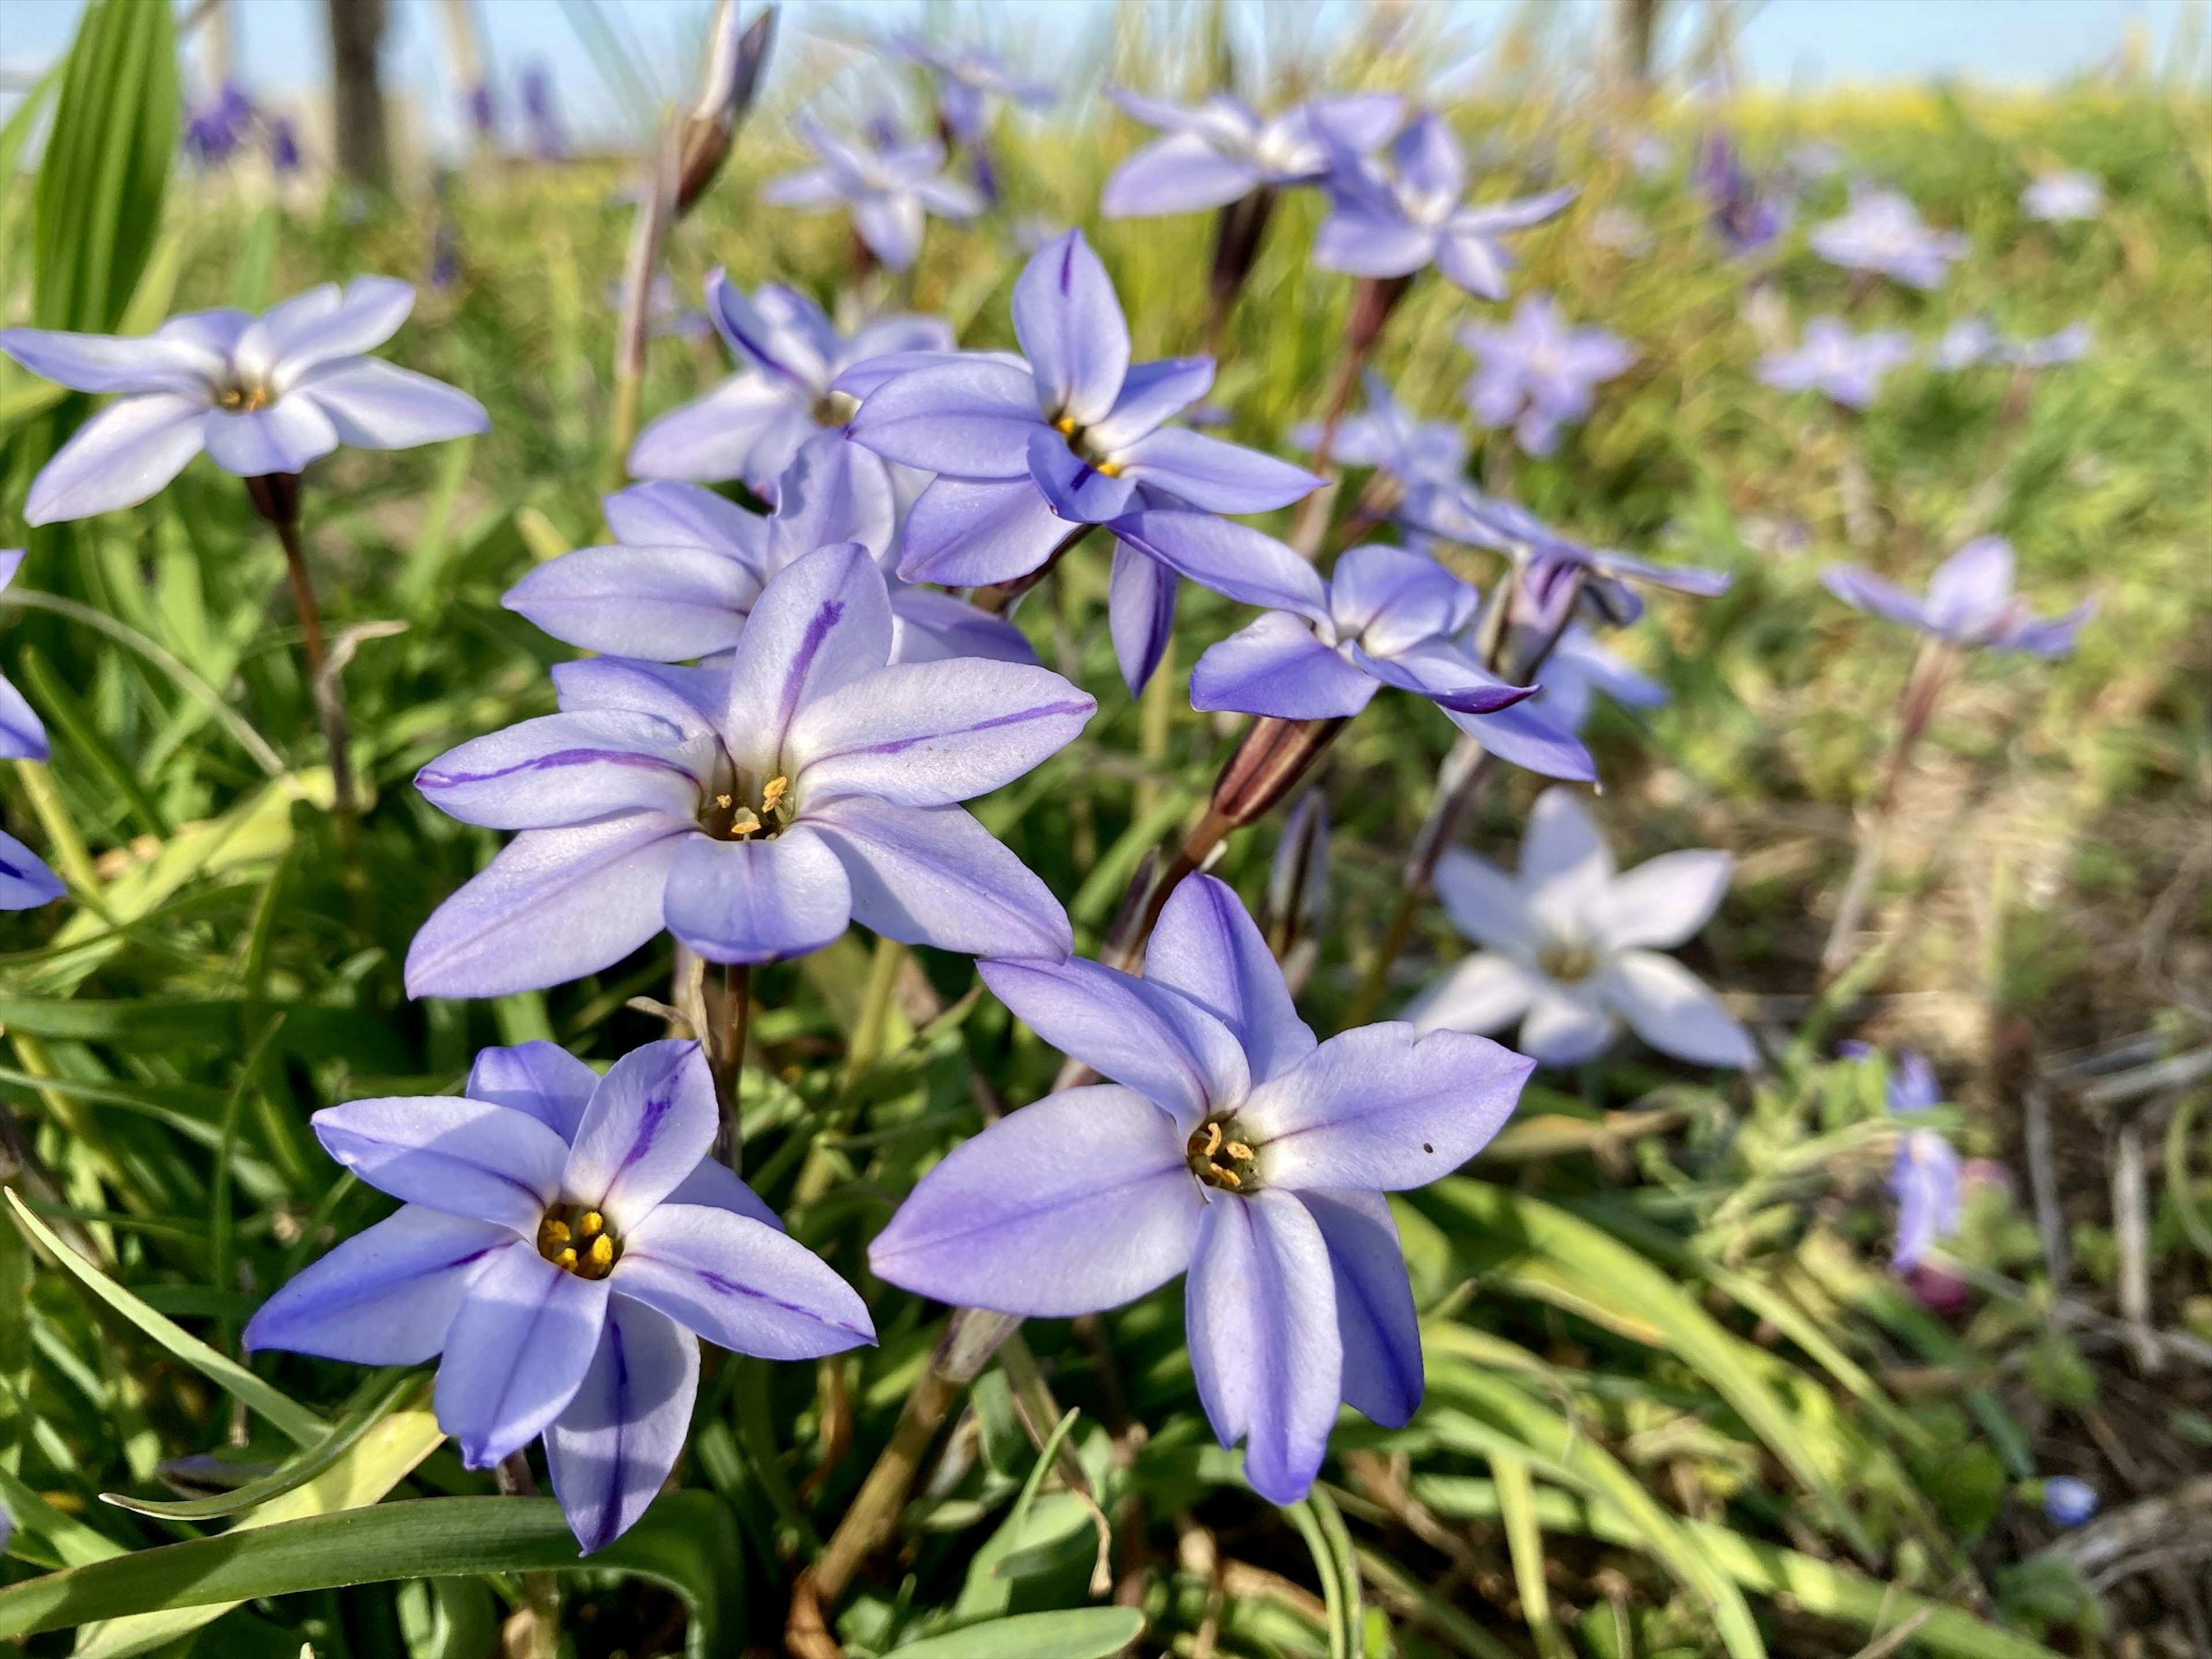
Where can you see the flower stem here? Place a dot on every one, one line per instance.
(276, 497)
(1372, 302)
(868, 1027)
(533, 1631)
(648, 232)
(726, 1055)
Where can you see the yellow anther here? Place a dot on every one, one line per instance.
(744, 822)
(566, 1260)
(1111, 469)
(722, 801)
(554, 1232)
(590, 1224)
(601, 1256)
(1212, 1139)
(772, 797)
(1237, 1149)
(1065, 426)
(1229, 1178)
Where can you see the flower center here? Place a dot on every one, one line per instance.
(1218, 1155)
(578, 1244)
(236, 399)
(1077, 438)
(725, 816)
(836, 408)
(1564, 961)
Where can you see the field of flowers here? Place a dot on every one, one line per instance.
(804, 897)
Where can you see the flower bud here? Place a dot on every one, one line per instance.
(735, 60)
(1267, 765)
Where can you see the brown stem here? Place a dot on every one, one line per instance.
(998, 598)
(1372, 303)
(276, 497)
(726, 1055)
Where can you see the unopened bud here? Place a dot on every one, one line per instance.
(1268, 765)
(735, 60)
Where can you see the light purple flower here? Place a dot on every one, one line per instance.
(1537, 372)
(1909, 1084)
(283, 146)
(888, 188)
(262, 395)
(1389, 438)
(1847, 367)
(1229, 1146)
(967, 80)
(1393, 219)
(564, 1240)
(789, 352)
(2061, 197)
(1572, 949)
(751, 812)
(1924, 1180)
(2067, 1502)
(1882, 232)
(1029, 451)
(1581, 665)
(687, 566)
(24, 881)
(1975, 340)
(1970, 602)
(1220, 151)
(1385, 617)
(1745, 215)
(215, 129)
(2068, 345)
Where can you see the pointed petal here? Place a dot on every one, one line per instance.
(319, 326)
(747, 428)
(1207, 946)
(689, 699)
(1276, 666)
(892, 227)
(516, 1352)
(967, 533)
(649, 1122)
(713, 1184)
(934, 627)
(1471, 261)
(1151, 394)
(1360, 241)
(1179, 173)
(385, 1297)
(1070, 327)
(1390, 598)
(834, 490)
(1383, 1108)
(1077, 490)
(1675, 1012)
(1231, 559)
(614, 1445)
(1564, 1030)
(1523, 735)
(929, 734)
(822, 623)
(378, 405)
(111, 363)
(1214, 476)
(757, 900)
(118, 458)
(281, 438)
(670, 603)
(934, 876)
(1485, 903)
(742, 1285)
(467, 1157)
(1079, 1202)
(1446, 673)
(1483, 993)
(969, 418)
(1864, 591)
(1564, 862)
(1662, 901)
(1973, 585)
(25, 882)
(560, 769)
(1374, 1314)
(540, 1077)
(1140, 596)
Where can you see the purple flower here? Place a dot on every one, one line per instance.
(1220, 151)
(1537, 372)
(751, 425)
(888, 188)
(1230, 1147)
(1881, 232)
(214, 130)
(1578, 667)
(549, 141)
(1387, 437)
(1848, 367)
(687, 566)
(1924, 1180)
(1970, 602)
(967, 81)
(1030, 450)
(283, 145)
(483, 112)
(1391, 220)
(2067, 1502)
(261, 395)
(751, 812)
(1976, 340)
(24, 881)
(1745, 217)
(1572, 949)
(1385, 617)
(1910, 1085)
(565, 1240)
(2061, 197)
(2068, 345)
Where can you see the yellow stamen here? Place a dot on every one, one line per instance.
(566, 1261)
(1229, 1178)
(590, 1224)
(744, 822)
(1065, 426)
(599, 1258)
(554, 1232)
(1237, 1149)
(772, 797)
(1111, 469)
(1212, 1139)
(722, 801)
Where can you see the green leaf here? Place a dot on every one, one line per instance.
(1078, 1633)
(1313, 1514)
(686, 1543)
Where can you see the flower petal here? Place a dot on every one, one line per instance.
(1214, 476)
(1077, 490)
(1561, 1028)
(281, 438)
(1079, 1202)
(561, 769)
(1663, 901)
(467, 1157)
(892, 227)
(1446, 673)
(379, 405)
(1157, 1041)
(385, 1297)
(1973, 586)
(742, 1285)
(934, 627)
(1564, 862)
(1485, 903)
(1276, 666)
(688, 699)
(25, 882)
(757, 900)
(929, 734)
(1361, 241)
(111, 363)
(118, 458)
(1374, 1314)
(1383, 1108)
(320, 326)
(712, 1183)
(1179, 173)
(671, 603)
(555, 905)
(969, 532)
(747, 428)
(1523, 735)
(649, 1122)
(1070, 327)
(1391, 599)
(1140, 597)
(1207, 946)
(1151, 393)
(1675, 1012)
(1261, 1306)
(516, 1353)
(1483, 993)
(1232, 559)
(934, 876)
(1864, 591)
(824, 622)
(970, 418)
(1471, 261)
(622, 1431)
(540, 1077)
(834, 490)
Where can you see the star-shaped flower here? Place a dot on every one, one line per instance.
(1882, 232)
(1848, 367)
(2064, 197)
(1221, 150)
(1388, 437)
(1537, 372)
(1970, 602)
(888, 188)
(967, 80)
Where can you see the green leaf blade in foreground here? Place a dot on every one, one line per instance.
(1077, 1633)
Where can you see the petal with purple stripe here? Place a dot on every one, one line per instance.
(757, 900)
(561, 769)
(650, 1122)
(742, 1285)
(385, 1297)
(516, 1353)
(540, 1077)
(467, 1157)
(824, 622)
(613, 1445)
(932, 875)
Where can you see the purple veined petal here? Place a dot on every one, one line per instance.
(1140, 597)
(929, 734)
(1675, 1012)
(810, 187)
(1972, 587)
(1179, 173)
(1496, 218)
(1662, 901)
(281, 438)
(25, 882)
(1260, 1307)
(1207, 946)
(1234, 560)
(747, 428)
(1864, 591)
(933, 627)
(22, 733)
(1525, 736)
(1157, 1041)
(1074, 489)
(1383, 1108)
(613, 1445)
(467, 1157)
(649, 1122)
(968, 418)
(1390, 599)
(689, 699)
(1071, 328)
(302, 333)
(540, 1077)
(560, 769)
(1471, 261)
(1481, 994)
(1214, 476)
(109, 363)
(1561, 1028)
(1675, 578)
(823, 622)
(118, 458)
(862, 380)
(1374, 1314)
(742, 1285)
(1431, 169)
(678, 602)
(833, 491)
(757, 900)
(1080, 1202)
(773, 335)
(1151, 393)
(555, 905)
(712, 1183)
(1485, 903)
(969, 533)
(1445, 673)
(892, 227)
(1275, 666)
(516, 1352)
(670, 513)
(379, 405)
(385, 1297)
(1360, 241)
(932, 875)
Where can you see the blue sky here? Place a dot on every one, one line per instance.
(280, 43)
